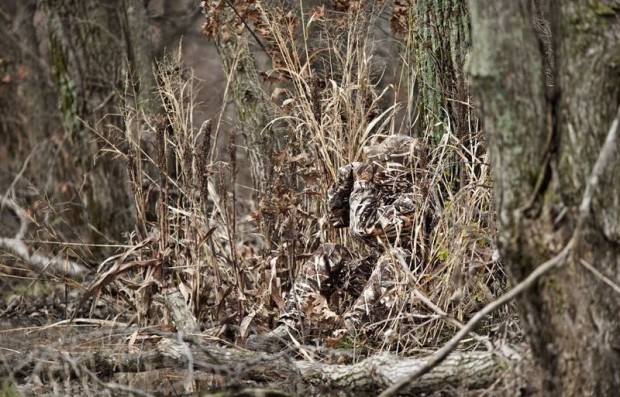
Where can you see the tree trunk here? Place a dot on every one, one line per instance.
(440, 39)
(547, 76)
(63, 64)
(439, 36)
(246, 93)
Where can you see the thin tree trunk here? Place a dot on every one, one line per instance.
(247, 94)
(94, 47)
(440, 40)
(546, 117)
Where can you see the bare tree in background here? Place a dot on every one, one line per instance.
(66, 63)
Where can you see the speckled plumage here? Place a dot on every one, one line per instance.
(379, 201)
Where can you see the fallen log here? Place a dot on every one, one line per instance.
(469, 370)
(190, 351)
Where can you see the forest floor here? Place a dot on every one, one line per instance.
(36, 327)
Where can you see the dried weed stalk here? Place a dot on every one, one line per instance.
(195, 234)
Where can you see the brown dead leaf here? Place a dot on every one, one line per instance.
(311, 177)
(279, 157)
(245, 323)
(318, 309)
(22, 72)
(300, 158)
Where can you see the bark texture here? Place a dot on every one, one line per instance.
(463, 370)
(548, 78)
(440, 38)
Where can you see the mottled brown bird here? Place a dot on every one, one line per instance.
(380, 199)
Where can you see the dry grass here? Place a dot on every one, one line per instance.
(193, 232)
(235, 255)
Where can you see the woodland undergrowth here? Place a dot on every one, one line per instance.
(233, 250)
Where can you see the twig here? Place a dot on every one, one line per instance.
(65, 266)
(9, 190)
(16, 245)
(605, 155)
(78, 322)
(19, 212)
(442, 353)
(449, 319)
(600, 276)
(249, 29)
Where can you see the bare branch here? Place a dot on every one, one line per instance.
(605, 155)
(600, 275)
(442, 353)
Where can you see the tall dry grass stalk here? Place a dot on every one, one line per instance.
(330, 102)
(186, 222)
(194, 233)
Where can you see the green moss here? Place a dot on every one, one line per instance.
(9, 390)
(346, 343)
(67, 102)
(34, 290)
(442, 254)
(601, 9)
(441, 40)
(585, 22)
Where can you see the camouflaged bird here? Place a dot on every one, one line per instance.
(380, 202)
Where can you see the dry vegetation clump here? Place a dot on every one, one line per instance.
(187, 230)
(234, 260)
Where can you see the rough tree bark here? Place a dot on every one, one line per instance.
(439, 34)
(548, 77)
(439, 38)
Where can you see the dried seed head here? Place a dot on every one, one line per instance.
(161, 125)
(400, 16)
(202, 158)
